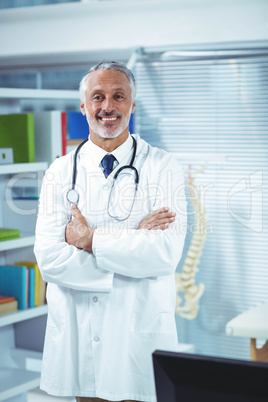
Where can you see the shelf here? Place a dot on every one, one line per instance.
(14, 382)
(74, 142)
(23, 241)
(22, 315)
(27, 359)
(23, 167)
(21, 93)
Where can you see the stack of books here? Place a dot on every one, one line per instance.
(23, 281)
(8, 304)
(9, 234)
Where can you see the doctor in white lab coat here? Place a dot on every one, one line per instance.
(110, 270)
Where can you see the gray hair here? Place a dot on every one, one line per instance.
(108, 65)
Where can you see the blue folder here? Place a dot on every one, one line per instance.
(13, 282)
(31, 289)
(77, 125)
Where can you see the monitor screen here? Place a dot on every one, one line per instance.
(184, 377)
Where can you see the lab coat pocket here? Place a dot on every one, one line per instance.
(56, 300)
(154, 306)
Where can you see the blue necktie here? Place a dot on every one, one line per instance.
(107, 163)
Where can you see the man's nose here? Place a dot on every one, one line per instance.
(108, 105)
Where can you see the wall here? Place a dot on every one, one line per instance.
(82, 31)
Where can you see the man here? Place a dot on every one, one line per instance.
(110, 268)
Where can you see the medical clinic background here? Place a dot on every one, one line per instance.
(201, 71)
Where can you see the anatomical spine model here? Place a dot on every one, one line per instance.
(185, 281)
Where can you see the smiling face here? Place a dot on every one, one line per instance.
(108, 106)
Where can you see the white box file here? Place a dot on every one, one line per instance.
(6, 156)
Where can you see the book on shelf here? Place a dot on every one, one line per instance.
(77, 129)
(14, 282)
(17, 132)
(30, 285)
(6, 299)
(9, 306)
(50, 129)
(38, 285)
(77, 126)
(9, 234)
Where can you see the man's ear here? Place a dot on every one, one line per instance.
(133, 107)
(82, 108)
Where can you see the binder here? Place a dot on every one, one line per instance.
(77, 126)
(17, 132)
(31, 288)
(14, 282)
(50, 135)
(39, 283)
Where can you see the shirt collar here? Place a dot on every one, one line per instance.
(97, 154)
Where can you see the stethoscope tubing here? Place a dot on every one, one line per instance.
(73, 196)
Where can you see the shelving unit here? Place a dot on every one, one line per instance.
(22, 315)
(25, 240)
(19, 100)
(22, 167)
(74, 142)
(15, 377)
(20, 367)
(14, 382)
(23, 93)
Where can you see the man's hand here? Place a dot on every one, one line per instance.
(78, 233)
(159, 219)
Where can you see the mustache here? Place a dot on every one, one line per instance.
(106, 114)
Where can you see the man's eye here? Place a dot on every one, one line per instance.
(97, 98)
(118, 96)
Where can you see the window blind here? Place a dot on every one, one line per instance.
(213, 112)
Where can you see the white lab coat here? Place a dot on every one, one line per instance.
(108, 311)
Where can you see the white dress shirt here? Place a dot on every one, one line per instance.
(109, 310)
(121, 153)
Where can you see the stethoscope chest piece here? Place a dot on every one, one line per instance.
(72, 196)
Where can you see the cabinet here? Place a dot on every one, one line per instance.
(21, 332)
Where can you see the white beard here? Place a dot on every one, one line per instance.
(108, 132)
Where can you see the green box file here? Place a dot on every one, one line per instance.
(9, 234)
(17, 132)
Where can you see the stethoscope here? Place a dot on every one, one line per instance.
(73, 196)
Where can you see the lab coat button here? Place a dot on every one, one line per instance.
(95, 299)
(105, 187)
(96, 339)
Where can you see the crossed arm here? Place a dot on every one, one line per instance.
(78, 232)
(97, 254)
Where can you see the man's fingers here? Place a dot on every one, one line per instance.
(159, 214)
(75, 211)
(159, 211)
(162, 217)
(161, 227)
(77, 214)
(159, 219)
(161, 223)
(164, 220)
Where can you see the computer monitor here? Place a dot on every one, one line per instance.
(184, 377)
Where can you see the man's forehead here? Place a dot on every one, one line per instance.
(102, 78)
